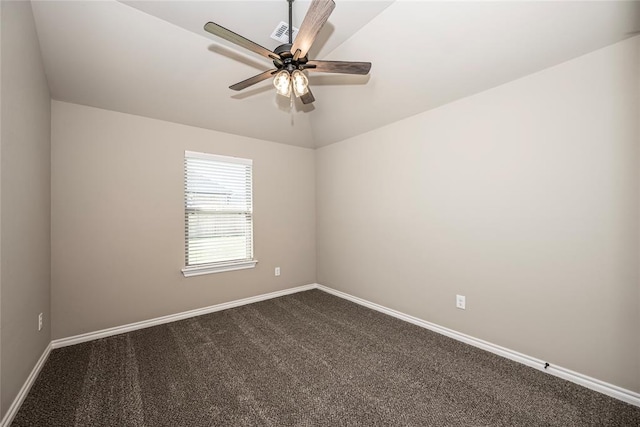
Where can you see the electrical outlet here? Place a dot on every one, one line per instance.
(277, 272)
(40, 321)
(461, 302)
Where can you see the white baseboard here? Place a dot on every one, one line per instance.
(17, 402)
(611, 390)
(90, 336)
(575, 377)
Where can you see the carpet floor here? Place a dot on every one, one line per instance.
(306, 359)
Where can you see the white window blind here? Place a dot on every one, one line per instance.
(218, 213)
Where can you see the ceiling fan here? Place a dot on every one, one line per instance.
(290, 59)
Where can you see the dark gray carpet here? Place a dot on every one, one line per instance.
(308, 359)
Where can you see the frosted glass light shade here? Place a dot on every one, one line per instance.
(282, 83)
(299, 82)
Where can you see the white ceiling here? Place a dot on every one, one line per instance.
(153, 58)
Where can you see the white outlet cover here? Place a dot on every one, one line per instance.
(461, 302)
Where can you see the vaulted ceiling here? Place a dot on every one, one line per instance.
(154, 59)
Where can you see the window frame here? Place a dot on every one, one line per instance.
(219, 266)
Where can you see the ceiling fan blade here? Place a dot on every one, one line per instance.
(229, 35)
(316, 16)
(343, 67)
(307, 98)
(253, 80)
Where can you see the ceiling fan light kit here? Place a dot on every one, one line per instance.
(290, 59)
(282, 82)
(299, 82)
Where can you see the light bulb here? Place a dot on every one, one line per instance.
(299, 82)
(282, 83)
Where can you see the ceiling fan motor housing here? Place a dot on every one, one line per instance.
(284, 50)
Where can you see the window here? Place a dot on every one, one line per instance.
(218, 213)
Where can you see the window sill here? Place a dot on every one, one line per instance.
(217, 268)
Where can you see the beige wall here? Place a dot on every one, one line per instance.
(118, 219)
(2, 412)
(25, 191)
(523, 198)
